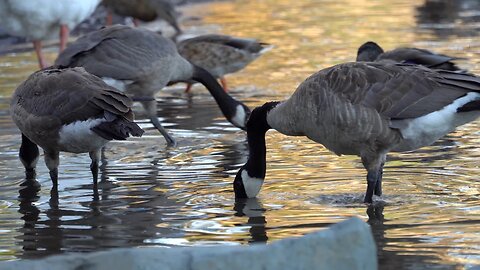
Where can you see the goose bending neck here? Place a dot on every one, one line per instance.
(236, 112)
(249, 179)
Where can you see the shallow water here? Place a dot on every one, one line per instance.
(151, 195)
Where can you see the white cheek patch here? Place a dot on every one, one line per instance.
(239, 118)
(252, 185)
(77, 137)
(120, 85)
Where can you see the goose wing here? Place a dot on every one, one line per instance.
(69, 95)
(420, 57)
(396, 91)
(223, 42)
(118, 52)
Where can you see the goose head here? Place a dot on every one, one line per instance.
(368, 52)
(250, 177)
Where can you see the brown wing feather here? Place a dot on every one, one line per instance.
(394, 90)
(70, 95)
(118, 52)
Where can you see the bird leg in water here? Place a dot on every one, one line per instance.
(151, 109)
(378, 185)
(374, 164)
(109, 19)
(136, 22)
(37, 45)
(223, 82)
(64, 33)
(95, 157)
(52, 161)
(189, 87)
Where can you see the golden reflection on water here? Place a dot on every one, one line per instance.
(431, 207)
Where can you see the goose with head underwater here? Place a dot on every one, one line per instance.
(72, 111)
(364, 109)
(140, 63)
(372, 52)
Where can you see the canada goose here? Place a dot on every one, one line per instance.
(366, 109)
(142, 62)
(69, 110)
(144, 10)
(221, 54)
(371, 51)
(38, 20)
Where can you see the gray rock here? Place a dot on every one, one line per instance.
(347, 245)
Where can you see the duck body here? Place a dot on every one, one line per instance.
(368, 110)
(70, 110)
(140, 63)
(371, 51)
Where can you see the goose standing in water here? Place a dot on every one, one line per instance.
(38, 20)
(141, 62)
(144, 10)
(363, 109)
(372, 52)
(221, 54)
(69, 110)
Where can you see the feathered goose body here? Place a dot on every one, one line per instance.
(365, 109)
(221, 54)
(142, 62)
(69, 110)
(41, 19)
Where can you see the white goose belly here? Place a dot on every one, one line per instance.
(77, 137)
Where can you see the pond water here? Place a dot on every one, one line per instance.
(151, 195)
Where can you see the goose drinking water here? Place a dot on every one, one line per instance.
(141, 62)
(364, 109)
(69, 110)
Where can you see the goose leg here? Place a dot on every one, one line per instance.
(52, 161)
(378, 185)
(136, 22)
(29, 156)
(109, 19)
(95, 157)
(223, 82)
(189, 87)
(151, 108)
(374, 165)
(64, 33)
(37, 45)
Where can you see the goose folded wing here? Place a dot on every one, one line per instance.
(400, 91)
(117, 52)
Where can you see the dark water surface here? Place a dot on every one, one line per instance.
(150, 195)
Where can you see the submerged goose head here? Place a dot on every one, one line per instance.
(363, 109)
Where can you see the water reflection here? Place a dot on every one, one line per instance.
(253, 209)
(446, 18)
(150, 195)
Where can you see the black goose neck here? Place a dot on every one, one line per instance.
(257, 126)
(226, 103)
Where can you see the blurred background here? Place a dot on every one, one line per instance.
(151, 195)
